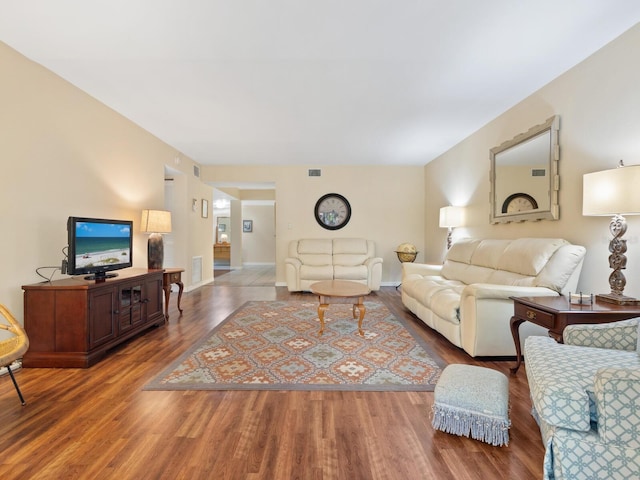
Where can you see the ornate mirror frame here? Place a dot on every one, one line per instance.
(526, 167)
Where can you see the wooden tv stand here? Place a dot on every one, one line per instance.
(73, 322)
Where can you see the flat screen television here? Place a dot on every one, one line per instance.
(98, 246)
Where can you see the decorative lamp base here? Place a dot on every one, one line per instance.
(617, 299)
(155, 251)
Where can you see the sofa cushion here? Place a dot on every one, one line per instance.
(620, 335)
(440, 295)
(316, 272)
(466, 273)
(502, 277)
(315, 260)
(355, 272)
(315, 252)
(350, 251)
(560, 267)
(489, 252)
(462, 250)
(528, 256)
(618, 397)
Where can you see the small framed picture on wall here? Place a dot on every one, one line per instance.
(247, 226)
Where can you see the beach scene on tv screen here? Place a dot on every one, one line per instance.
(102, 244)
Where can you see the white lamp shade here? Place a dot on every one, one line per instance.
(156, 221)
(612, 192)
(451, 217)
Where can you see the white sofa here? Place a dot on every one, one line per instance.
(467, 298)
(312, 260)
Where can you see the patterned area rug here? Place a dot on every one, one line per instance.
(275, 346)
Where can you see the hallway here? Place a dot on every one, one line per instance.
(247, 276)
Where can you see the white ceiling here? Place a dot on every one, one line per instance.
(314, 82)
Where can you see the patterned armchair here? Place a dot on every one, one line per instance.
(586, 400)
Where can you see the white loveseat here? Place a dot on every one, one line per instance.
(467, 298)
(313, 260)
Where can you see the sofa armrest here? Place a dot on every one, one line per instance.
(617, 392)
(622, 335)
(490, 290)
(485, 311)
(292, 273)
(374, 272)
(294, 262)
(424, 269)
(370, 262)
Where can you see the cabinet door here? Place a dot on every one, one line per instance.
(102, 325)
(153, 300)
(131, 306)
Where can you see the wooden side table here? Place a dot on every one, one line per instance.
(556, 312)
(172, 275)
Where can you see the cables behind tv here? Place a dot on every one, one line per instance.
(48, 279)
(62, 267)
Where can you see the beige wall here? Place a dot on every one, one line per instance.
(599, 106)
(64, 153)
(387, 204)
(259, 245)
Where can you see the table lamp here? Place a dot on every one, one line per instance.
(614, 192)
(451, 217)
(155, 222)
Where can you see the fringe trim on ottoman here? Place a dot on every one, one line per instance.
(492, 430)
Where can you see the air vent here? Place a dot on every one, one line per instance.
(315, 172)
(196, 171)
(196, 270)
(538, 172)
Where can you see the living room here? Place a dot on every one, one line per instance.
(595, 101)
(69, 154)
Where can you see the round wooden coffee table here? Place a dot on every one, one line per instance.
(341, 291)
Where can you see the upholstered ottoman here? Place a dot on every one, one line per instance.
(473, 401)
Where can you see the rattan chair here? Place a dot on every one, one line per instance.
(14, 347)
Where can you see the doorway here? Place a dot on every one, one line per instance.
(222, 246)
(245, 238)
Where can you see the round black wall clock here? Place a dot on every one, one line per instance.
(519, 202)
(332, 211)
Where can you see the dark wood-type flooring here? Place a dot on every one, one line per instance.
(98, 423)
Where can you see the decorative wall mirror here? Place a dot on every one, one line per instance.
(524, 175)
(223, 229)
